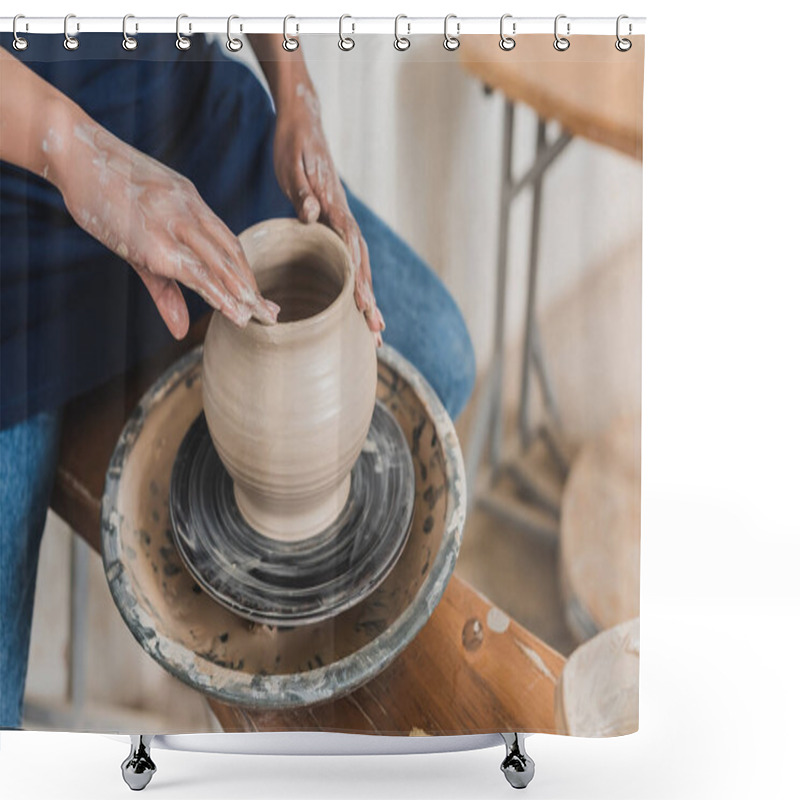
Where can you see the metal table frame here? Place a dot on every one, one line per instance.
(488, 424)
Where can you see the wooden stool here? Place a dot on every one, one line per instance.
(598, 691)
(600, 532)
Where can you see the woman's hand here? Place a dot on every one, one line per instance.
(154, 218)
(143, 211)
(307, 175)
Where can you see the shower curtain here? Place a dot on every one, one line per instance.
(483, 572)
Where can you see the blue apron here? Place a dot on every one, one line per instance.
(72, 314)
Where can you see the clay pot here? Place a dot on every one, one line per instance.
(289, 405)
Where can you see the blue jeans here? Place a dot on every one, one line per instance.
(28, 456)
(422, 322)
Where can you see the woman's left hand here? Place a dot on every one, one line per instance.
(306, 174)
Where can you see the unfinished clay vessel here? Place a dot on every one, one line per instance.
(289, 406)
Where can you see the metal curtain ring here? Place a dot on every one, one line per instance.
(623, 45)
(290, 43)
(70, 42)
(346, 42)
(128, 42)
(401, 43)
(451, 42)
(507, 42)
(19, 43)
(233, 44)
(182, 43)
(561, 43)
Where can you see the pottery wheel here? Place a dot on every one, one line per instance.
(291, 583)
(223, 655)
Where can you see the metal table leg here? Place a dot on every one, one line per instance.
(488, 424)
(546, 154)
(498, 348)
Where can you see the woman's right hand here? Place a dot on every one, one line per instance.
(154, 219)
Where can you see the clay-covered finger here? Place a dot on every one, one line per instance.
(202, 241)
(217, 265)
(373, 314)
(225, 238)
(263, 309)
(342, 222)
(302, 194)
(168, 300)
(365, 297)
(185, 266)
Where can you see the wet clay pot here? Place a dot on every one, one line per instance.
(289, 406)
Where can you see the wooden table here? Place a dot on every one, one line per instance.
(470, 669)
(592, 91)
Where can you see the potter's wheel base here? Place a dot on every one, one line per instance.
(222, 655)
(291, 583)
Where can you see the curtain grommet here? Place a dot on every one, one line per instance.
(70, 42)
(346, 43)
(20, 43)
(451, 43)
(561, 43)
(182, 42)
(401, 43)
(507, 42)
(233, 44)
(623, 45)
(290, 43)
(128, 42)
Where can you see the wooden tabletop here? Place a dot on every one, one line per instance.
(591, 89)
(470, 670)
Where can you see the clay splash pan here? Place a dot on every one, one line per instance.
(296, 582)
(235, 659)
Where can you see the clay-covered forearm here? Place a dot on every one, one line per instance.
(35, 120)
(304, 166)
(149, 215)
(284, 71)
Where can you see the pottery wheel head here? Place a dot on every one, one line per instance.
(291, 583)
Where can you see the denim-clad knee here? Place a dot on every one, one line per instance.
(28, 456)
(423, 321)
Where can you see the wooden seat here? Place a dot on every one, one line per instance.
(600, 531)
(598, 691)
